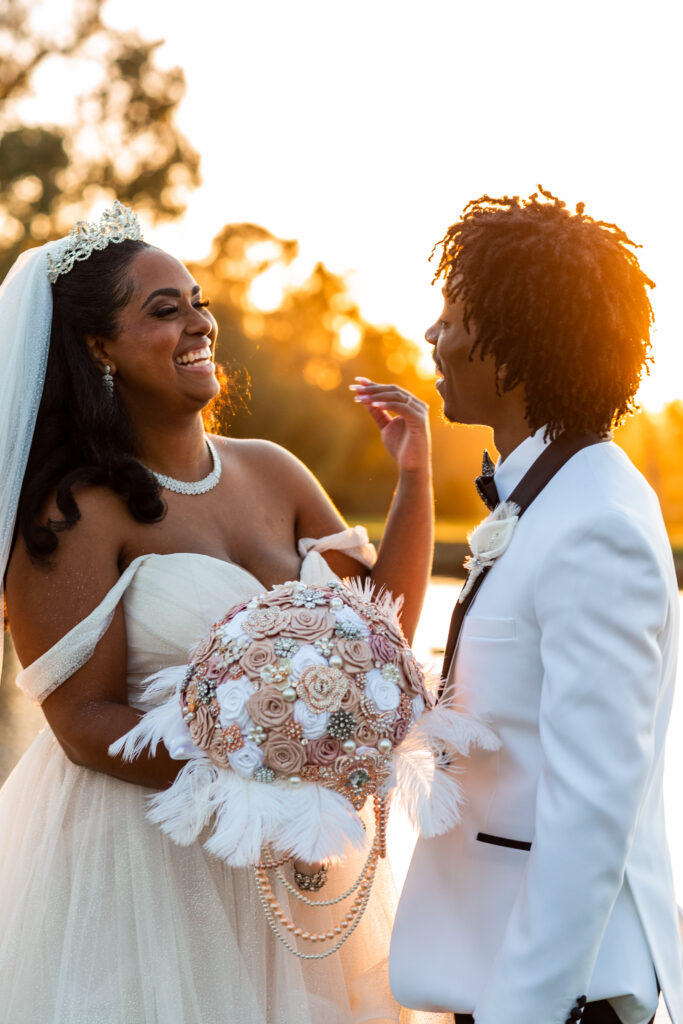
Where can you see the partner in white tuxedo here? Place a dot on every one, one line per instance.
(553, 901)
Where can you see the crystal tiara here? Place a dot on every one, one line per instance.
(116, 225)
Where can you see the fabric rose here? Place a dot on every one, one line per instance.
(303, 659)
(488, 542)
(323, 751)
(365, 735)
(263, 622)
(214, 667)
(216, 750)
(232, 697)
(206, 646)
(223, 743)
(383, 625)
(382, 648)
(283, 754)
(192, 693)
(247, 760)
(233, 627)
(256, 656)
(268, 707)
(412, 679)
(310, 624)
(313, 724)
(351, 701)
(355, 654)
(393, 633)
(282, 594)
(400, 731)
(322, 687)
(202, 728)
(384, 693)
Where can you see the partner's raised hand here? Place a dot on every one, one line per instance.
(403, 421)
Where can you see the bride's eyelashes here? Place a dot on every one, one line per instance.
(169, 310)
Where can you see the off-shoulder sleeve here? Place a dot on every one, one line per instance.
(353, 542)
(42, 677)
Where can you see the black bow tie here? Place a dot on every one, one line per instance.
(485, 484)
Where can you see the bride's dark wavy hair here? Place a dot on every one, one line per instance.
(82, 436)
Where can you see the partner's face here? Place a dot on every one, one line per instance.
(467, 385)
(163, 349)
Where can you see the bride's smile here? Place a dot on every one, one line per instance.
(196, 359)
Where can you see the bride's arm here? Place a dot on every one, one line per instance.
(405, 553)
(88, 711)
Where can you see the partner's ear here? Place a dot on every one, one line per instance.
(99, 352)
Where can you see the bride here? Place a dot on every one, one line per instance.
(125, 531)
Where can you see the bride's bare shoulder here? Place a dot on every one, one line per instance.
(60, 586)
(258, 455)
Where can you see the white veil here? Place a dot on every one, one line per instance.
(25, 320)
(25, 324)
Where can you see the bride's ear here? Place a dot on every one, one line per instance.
(98, 351)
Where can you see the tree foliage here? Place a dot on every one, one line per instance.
(117, 138)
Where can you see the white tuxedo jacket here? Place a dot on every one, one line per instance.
(558, 884)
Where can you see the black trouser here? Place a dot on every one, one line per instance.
(595, 1013)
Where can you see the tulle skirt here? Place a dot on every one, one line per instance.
(103, 920)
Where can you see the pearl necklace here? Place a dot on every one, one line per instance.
(198, 486)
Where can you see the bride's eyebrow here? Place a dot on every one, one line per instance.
(173, 293)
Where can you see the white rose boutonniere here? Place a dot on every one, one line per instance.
(488, 542)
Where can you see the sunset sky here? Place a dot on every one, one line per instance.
(362, 128)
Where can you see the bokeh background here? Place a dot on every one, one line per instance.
(304, 157)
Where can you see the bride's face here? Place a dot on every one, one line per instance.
(162, 353)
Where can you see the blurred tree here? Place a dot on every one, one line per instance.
(654, 442)
(116, 138)
(300, 357)
(302, 354)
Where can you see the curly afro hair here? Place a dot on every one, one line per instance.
(559, 300)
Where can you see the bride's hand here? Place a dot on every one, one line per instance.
(403, 421)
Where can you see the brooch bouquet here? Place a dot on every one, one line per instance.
(295, 709)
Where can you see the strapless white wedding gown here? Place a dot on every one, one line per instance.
(104, 920)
